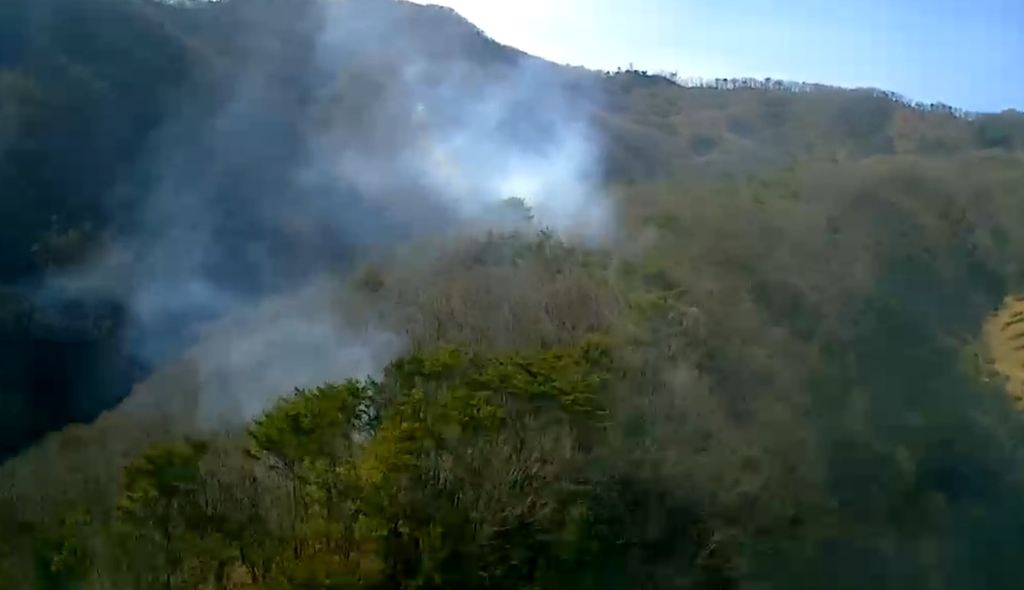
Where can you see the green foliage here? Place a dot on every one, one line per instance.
(161, 501)
(63, 559)
(160, 478)
(456, 468)
(770, 380)
(761, 387)
(307, 425)
(414, 473)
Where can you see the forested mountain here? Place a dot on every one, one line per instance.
(725, 334)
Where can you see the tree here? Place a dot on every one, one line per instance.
(162, 500)
(454, 468)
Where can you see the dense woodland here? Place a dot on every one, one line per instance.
(770, 376)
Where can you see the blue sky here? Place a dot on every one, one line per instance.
(969, 54)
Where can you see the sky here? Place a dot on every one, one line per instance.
(968, 54)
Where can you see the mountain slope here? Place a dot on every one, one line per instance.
(219, 108)
(768, 371)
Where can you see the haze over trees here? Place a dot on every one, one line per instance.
(269, 321)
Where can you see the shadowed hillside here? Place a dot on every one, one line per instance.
(270, 318)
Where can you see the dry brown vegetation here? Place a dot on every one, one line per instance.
(778, 375)
(1003, 341)
(789, 384)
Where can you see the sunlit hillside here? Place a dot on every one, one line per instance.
(284, 308)
(1003, 340)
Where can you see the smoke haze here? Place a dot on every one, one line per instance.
(355, 132)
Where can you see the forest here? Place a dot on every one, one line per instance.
(286, 307)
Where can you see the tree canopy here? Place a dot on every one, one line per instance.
(773, 375)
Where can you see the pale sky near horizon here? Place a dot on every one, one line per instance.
(968, 54)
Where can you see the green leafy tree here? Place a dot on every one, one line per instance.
(162, 501)
(305, 437)
(62, 556)
(454, 469)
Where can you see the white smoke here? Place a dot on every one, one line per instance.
(410, 132)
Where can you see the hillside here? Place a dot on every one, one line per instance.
(735, 334)
(221, 106)
(1004, 346)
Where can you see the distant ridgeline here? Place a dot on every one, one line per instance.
(1003, 130)
(771, 84)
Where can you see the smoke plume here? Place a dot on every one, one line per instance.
(339, 127)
